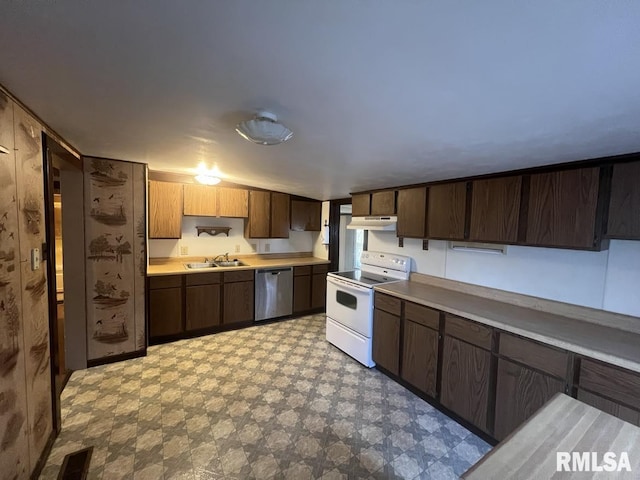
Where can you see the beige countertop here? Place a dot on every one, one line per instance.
(562, 425)
(611, 345)
(174, 266)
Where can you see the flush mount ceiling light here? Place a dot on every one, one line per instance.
(264, 129)
(206, 176)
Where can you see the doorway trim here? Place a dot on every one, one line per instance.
(55, 156)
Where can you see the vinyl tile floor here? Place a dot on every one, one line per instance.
(270, 401)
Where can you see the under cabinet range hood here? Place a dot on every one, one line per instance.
(384, 224)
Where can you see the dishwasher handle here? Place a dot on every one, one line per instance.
(273, 271)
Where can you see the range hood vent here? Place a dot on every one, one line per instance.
(384, 224)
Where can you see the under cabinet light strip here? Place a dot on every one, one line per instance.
(494, 251)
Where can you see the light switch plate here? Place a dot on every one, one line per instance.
(267, 247)
(184, 250)
(237, 248)
(35, 259)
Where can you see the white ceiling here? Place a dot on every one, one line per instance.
(378, 93)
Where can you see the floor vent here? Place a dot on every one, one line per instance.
(76, 465)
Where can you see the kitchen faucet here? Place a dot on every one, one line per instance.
(223, 255)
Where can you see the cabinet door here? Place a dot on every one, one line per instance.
(412, 212)
(301, 293)
(200, 200)
(279, 215)
(360, 204)
(203, 306)
(259, 214)
(465, 381)
(318, 291)
(386, 341)
(624, 207)
(495, 209)
(305, 216)
(520, 392)
(165, 209)
(383, 203)
(165, 312)
(233, 202)
(238, 302)
(562, 208)
(608, 406)
(420, 357)
(447, 211)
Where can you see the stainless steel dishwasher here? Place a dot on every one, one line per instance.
(274, 292)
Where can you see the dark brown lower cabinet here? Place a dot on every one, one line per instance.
(609, 406)
(465, 381)
(238, 302)
(319, 286)
(520, 392)
(301, 293)
(165, 312)
(420, 357)
(203, 306)
(386, 341)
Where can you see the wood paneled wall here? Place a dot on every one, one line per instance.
(25, 375)
(115, 232)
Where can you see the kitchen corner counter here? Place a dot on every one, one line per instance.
(562, 425)
(608, 344)
(172, 266)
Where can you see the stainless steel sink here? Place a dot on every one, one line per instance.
(231, 263)
(198, 265)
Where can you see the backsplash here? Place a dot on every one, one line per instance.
(206, 245)
(605, 280)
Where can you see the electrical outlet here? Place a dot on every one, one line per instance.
(253, 247)
(237, 248)
(184, 250)
(267, 247)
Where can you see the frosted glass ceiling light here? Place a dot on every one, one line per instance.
(264, 129)
(206, 176)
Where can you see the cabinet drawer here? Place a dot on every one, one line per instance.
(612, 408)
(321, 268)
(612, 382)
(468, 331)
(239, 276)
(387, 303)
(547, 359)
(423, 315)
(165, 281)
(304, 270)
(203, 278)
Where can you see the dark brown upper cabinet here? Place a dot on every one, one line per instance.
(447, 211)
(361, 204)
(562, 209)
(306, 216)
(279, 215)
(383, 203)
(268, 215)
(624, 208)
(412, 212)
(495, 207)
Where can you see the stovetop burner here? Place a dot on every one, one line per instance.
(366, 278)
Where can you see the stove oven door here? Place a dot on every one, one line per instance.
(350, 304)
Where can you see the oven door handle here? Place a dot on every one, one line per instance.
(347, 285)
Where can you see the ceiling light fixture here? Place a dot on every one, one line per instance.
(264, 129)
(206, 176)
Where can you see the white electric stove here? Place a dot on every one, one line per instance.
(350, 301)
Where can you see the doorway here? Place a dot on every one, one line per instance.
(346, 245)
(64, 250)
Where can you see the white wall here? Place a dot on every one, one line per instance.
(207, 246)
(606, 280)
